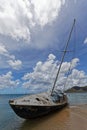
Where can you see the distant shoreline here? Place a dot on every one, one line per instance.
(77, 89)
(75, 92)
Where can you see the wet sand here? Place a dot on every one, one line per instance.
(70, 118)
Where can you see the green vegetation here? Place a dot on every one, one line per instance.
(77, 89)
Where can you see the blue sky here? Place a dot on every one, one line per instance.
(32, 35)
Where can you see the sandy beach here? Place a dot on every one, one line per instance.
(70, 118)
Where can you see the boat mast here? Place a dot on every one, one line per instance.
(65, 50)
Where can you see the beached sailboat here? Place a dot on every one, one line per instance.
(36, 105)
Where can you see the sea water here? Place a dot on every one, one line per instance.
(10, 121)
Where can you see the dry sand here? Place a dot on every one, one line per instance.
(70, 118)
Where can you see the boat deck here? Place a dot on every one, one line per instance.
(36, 100)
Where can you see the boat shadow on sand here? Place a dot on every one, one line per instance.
(47, 122)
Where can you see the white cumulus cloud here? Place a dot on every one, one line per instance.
(15, 64)
(77, 78)
(47, 10)
(44, 74)
(6, 81)
(13, 16)
(6, 57)
(18, 17)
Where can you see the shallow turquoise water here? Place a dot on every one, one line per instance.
(77, 98)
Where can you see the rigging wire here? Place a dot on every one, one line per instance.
(73, 56)
(65, 51)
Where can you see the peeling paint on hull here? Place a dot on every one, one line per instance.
(29, 112)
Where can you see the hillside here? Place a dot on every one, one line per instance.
(77, 89)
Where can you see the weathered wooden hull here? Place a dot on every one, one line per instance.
(29, 112)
